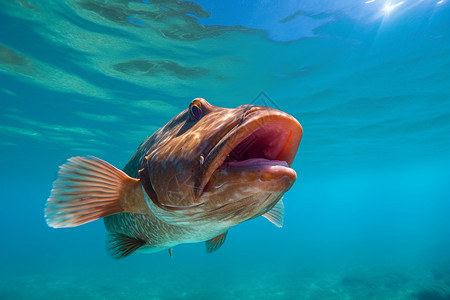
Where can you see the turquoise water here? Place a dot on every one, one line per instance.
(369, 215)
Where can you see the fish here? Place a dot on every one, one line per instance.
(207, 170)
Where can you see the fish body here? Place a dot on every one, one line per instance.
(207, 170)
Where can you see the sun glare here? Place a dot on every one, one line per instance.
(388, 7)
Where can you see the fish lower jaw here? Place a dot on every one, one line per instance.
(262, 169)
(251, 175)
(254, 163)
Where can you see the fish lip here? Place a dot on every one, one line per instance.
(253, 119)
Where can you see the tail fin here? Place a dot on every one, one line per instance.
(85, 190)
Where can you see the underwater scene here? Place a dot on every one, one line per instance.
(366, 217)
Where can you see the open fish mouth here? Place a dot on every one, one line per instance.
(265, 139)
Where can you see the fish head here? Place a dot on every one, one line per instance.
(212, 164)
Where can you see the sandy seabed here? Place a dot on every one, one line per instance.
(73, 283)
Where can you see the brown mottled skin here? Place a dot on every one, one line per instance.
(187, 193)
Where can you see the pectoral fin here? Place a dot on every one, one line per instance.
(276, 214)
(122, 245)
(87, 189)
(216, 242)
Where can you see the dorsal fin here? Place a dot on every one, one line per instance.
(276, 214)
(216, 242)
(87, 189)
(122, 245)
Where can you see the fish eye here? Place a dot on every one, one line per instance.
(196, 110)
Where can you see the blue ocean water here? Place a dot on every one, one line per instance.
(369, 215)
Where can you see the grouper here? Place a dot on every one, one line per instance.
(207, 170)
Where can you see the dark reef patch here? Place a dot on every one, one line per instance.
(143, 67)
(174, 19)
(435, 293)
(11, 57)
